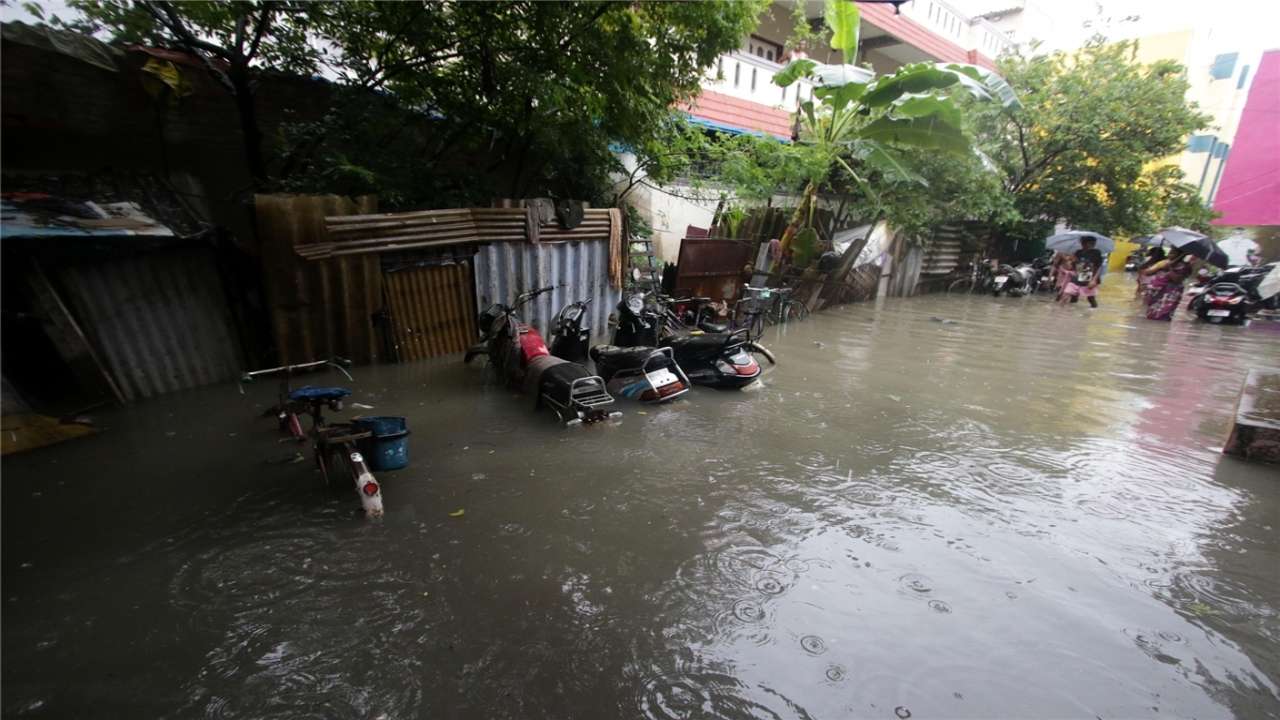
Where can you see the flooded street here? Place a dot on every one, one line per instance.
(940, 508)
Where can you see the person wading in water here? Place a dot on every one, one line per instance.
(1085, 280)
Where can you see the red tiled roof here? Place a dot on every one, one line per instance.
(916, 35)
(744, 114)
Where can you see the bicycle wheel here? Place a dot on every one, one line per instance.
(963, 285)
(797, 310)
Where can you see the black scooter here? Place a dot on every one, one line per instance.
(714, 359)
(647, 374)
(1232, 295)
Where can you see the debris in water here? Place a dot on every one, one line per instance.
(361, 406)
(902, 712)
(819, 343)
(458, 513)
(1200, 609)
(641, 412)
(944, 321)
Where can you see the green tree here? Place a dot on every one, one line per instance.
(861, 124)
(1081, 146)
(231, 39)
(539, 90)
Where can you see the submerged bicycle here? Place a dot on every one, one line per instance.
(333, 444)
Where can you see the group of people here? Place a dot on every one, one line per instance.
(1161, 277)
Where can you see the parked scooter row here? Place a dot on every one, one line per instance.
(653, 358)
(1231, 295)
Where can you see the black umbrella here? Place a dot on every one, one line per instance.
(1194, 243)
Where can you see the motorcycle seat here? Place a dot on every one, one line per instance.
(309, 393)
(622, 357)
(714, 327)
(705, 342)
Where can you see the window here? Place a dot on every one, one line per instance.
(1244, 77)
(784, 94)
(753, 79)
(765, 48)
(737, 74)
(1224, 66)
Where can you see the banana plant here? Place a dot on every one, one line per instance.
(858, 119)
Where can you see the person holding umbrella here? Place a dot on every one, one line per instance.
(1164, 291)
(1084, 281)
(1155, 254)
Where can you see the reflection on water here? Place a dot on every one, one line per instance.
(1021, 513)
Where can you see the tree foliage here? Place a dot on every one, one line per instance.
(534, 93)
(1081, 147)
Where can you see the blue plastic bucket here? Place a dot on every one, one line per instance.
(388, 449)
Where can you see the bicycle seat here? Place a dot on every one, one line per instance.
(318, 394)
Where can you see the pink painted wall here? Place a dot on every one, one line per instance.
(1249, 193)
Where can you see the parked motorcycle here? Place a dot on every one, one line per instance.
(1015, 281)
(521, 359)
(1223, 302)
(648, 374)
(1134, 261)
(714, 359)
(1043, 267)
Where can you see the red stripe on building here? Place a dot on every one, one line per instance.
(920, 37)
(744, 114)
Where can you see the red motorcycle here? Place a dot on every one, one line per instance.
(520, 358)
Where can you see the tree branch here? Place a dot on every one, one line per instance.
(573, 36)
(260, 30)
(173, 23)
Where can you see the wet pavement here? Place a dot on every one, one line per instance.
(943, 507)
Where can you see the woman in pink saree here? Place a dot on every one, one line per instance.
(1164, 292)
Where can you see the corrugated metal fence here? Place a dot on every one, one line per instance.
(160, 320)
(432, 310)
(580, 270)
(318, 308)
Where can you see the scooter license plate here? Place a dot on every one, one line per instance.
(1002, 279)
(1219, 313)
(661, 378)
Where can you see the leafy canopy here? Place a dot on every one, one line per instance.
(527, 96)
(1092, 123)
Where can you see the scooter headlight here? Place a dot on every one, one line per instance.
(635, 304)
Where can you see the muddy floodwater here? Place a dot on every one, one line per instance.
(936, 508)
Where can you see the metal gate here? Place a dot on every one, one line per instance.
(432, 309)
(712, 267)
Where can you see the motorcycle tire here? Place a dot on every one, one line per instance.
(756, 347)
